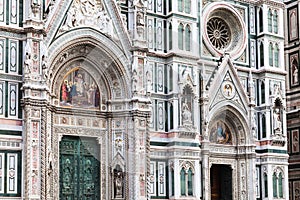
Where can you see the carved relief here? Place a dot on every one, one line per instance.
(88, 13)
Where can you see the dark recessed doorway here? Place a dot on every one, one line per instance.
(221, 182)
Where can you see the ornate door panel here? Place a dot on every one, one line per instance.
(79, 169)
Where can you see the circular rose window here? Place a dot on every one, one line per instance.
(218, 33)
(224, 30)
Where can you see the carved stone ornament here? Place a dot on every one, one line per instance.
(88, 13)
(77, 131)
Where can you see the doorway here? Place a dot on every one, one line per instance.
(221, 182)
(79, 168)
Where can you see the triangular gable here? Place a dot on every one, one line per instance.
(227, 87)
(103, 16)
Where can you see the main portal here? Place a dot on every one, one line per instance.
(79, 168)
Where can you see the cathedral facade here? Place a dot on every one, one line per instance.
(136, 100)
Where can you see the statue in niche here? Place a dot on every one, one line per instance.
(295, 74)
(118, 182)
(27, 64)
(149, 81)
(221, 134)
(186, 113)
(277, 120)
(134, 80)
(44, 67)
(140, 19)
(79, 89)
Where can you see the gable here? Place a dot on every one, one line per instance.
(226, 88)
(101, 16)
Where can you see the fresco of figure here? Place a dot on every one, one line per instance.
(79, 89)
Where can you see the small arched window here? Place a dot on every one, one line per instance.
(274, 185)
(266, 184)
(276, 56)
(263, 126)
(187, 6)
(170, 37)
(261, 23)
(269, 20)
(275, 22)
(263, 93)
(180, 36)
(187, 38)
(180, 5)
(182, 182)
(186, 181)
(271, 54)
(280, 186)
(172, 182)
(190, 182)
(261, 54)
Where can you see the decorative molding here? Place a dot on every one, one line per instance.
(77, 131)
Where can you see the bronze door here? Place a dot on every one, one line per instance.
(79, 169)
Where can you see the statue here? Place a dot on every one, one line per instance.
(149, 81)
(134, 80)
(186, 113)
(118, 184)
(277, 119)
(44, 67)
(27, 64)
(295, 75)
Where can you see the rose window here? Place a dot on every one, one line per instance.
(218, 33)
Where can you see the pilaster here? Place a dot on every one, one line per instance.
(35, 101)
